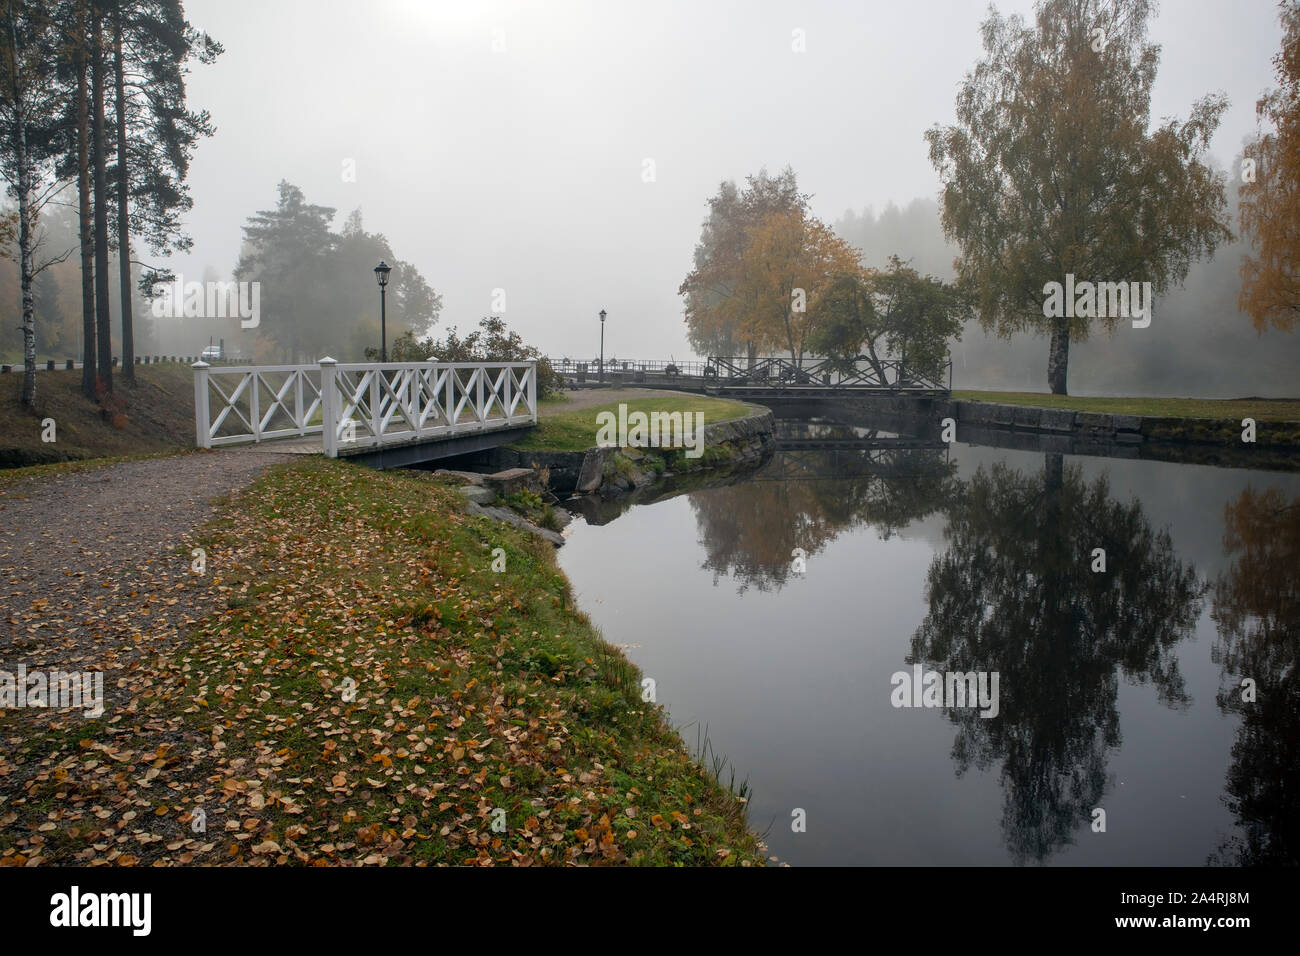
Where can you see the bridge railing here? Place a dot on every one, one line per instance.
(362, 405)
(255, 403)
(862, 373)
(665, 367)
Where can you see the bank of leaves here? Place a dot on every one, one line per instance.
(374, 693)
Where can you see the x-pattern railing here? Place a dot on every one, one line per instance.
(355, 406)
(269, 402)
(862, 372)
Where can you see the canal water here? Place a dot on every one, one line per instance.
(792, 615)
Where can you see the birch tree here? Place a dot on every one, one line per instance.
(31, 102)
(1053, 169)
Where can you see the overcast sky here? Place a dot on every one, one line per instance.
(522, 168)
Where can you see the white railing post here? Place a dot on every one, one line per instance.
(414, 392)
(409, 407)
(329, 406)
(434, 399)
(255, 405)
(479, 411)
(376, 422)
(532, 392)
(202, 422)
(450, 409)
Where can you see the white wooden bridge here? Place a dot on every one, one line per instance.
(389, 414)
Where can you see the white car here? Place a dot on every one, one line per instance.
(213, 353)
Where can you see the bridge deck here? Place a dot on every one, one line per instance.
(283, 446)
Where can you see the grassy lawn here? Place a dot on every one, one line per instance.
(575, 429)
(373, 693)
(158, 416)
(1278, 410)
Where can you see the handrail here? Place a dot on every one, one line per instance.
(860, 373)
(360, 405)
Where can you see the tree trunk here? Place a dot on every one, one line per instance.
(83, 212)
(1053, 539)
(29, 299)
(123, 221)
(874, 359)
(1053, 478)
(102, 317)
(1058, 357)
(19, 145)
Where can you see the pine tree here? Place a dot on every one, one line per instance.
(155, 135)
(289, 249)
(99, 160)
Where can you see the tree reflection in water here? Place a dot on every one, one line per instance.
(1015, 593)
(749, 531)
(1257, 611)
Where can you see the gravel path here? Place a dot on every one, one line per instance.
(94, 567)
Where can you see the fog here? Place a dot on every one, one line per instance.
(505, 146)
(1198, 344)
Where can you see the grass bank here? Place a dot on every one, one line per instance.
(372, 692)
(574, 429)
(1264, 409)
(157, 415)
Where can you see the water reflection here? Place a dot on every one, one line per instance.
(806, 496)
(1015, 593)
(1257, 612)
(975, 558)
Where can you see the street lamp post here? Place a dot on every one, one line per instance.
(381, 273)
(602, 346)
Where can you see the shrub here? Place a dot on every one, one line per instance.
(490, 342)
(111, 408)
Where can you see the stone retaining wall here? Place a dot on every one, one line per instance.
(927, 413)
(1117, 429)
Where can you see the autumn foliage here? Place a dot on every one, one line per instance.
(368, 692)
(762, 268)
(1270, 204)
(1054, 167)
